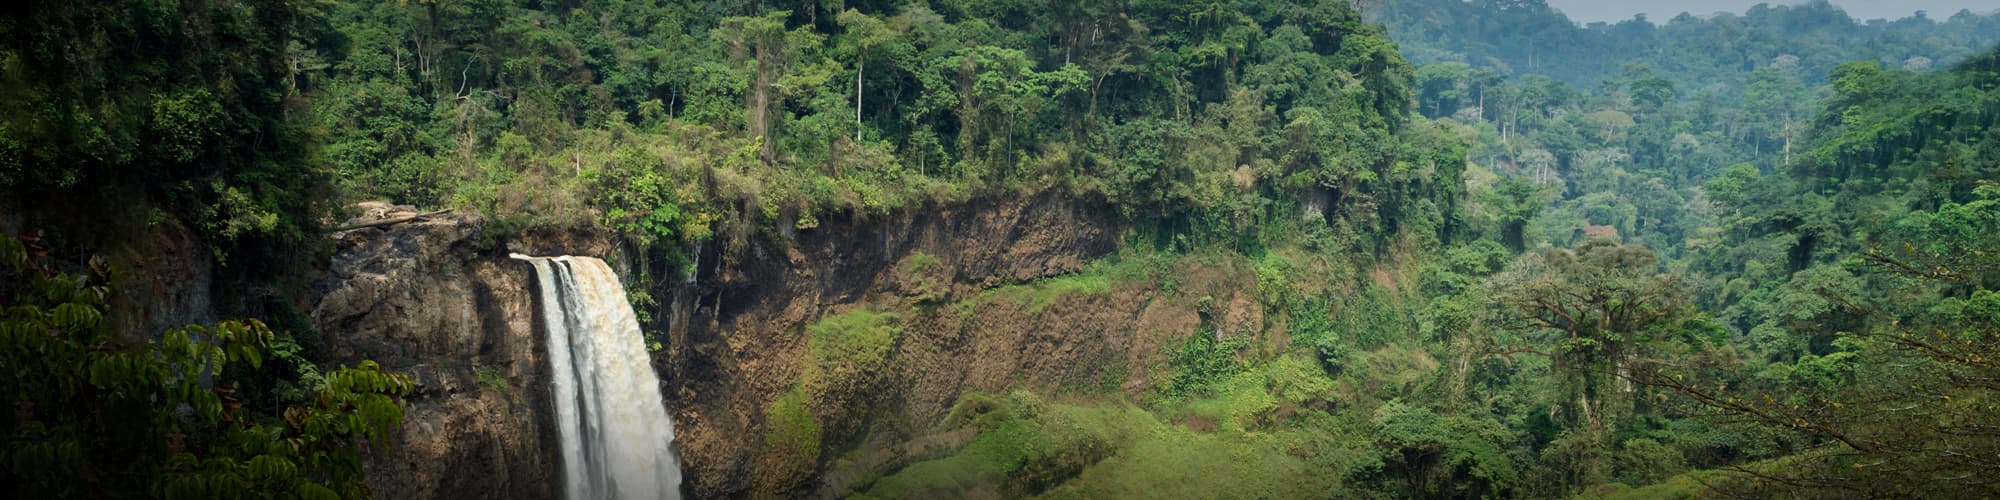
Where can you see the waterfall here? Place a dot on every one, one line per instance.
(616, 437)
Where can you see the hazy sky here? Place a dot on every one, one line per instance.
(1659, 11)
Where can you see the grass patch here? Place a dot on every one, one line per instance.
(1025, 447)
(843, 354)
(1172, 462)
(790, 432)
(493, 379)
(919, 262)
(1118, 451)
(1040, 294)
(1030, 447)
(845, 346)
(1689, 485)
(1096, 279)
(1702, 483)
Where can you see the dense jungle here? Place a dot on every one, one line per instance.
(995, 249)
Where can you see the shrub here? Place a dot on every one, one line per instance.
(1645, 461)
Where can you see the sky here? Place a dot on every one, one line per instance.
(1659, 11)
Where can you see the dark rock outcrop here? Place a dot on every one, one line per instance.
(164, 280)
(428, 299)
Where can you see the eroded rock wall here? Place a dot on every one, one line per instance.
(431, 299)
(739, 338)
(436, 300)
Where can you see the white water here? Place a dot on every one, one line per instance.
(616, 437)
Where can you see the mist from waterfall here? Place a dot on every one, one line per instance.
(616, 435)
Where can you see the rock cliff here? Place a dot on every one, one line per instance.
(739, 338)
(430, 299)
(436, 299)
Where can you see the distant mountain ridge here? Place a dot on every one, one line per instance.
(1520, 37)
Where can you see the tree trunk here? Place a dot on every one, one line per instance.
(760, 107)
(1788, 140)
(861, 68)
(968, 105)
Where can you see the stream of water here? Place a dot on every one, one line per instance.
(617, 440)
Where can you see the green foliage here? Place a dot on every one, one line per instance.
(850, 346)
(98, 415)
(1442, 456)
(643, 304)
(1854, 309)
(1251, 399)
(1694, 49)
(1659, 175)
(1930, 293)
(1168, 461)
(1024, 447)
(1645, 461)
(492, 378)
(1575, 458)
(1312, 325)
(1274, 284)
(1200, 363)
(641, 197)
(920, 262)
(791, 433)
(1062, 450)
(1594, 312)
(1375, 317)
(677, 123)
(1386, 373)
(185, 105)
(1040, 294)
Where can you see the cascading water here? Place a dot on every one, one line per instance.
(616, 437)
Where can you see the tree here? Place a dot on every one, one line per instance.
(1513, 202)
(771, 52)
(1443, 456)
(98, 415)
(183, 103)
(1650, 92)
(1909, 401)
(864, 34)
(1592, 311)
(1441, 88)
(1775, 99)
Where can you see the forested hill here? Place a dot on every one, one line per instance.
(968, 248)
(1190, 116)
(733, 128)
(1696, 51)
(810, 110)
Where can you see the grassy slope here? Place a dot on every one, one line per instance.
(1257, 422)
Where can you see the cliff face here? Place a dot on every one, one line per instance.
(738, 338)
(435, 300)
(165, 279)
(428, 299)
(734, 343)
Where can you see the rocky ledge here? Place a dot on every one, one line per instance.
(432, 298)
